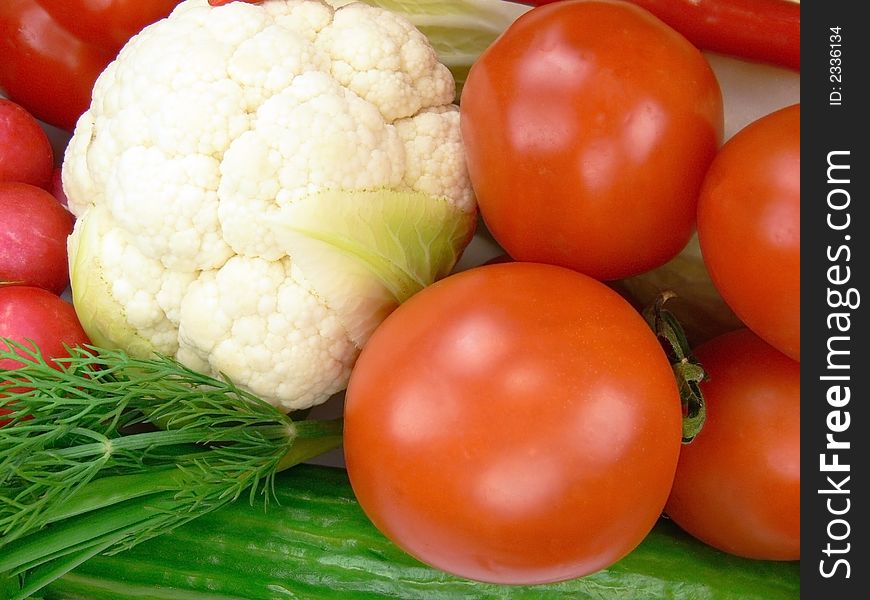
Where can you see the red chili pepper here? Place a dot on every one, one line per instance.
(53, 50)
(759, 30)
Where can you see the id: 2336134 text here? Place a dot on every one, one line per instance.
(835, 65)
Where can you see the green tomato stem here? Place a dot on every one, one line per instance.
(687, 370)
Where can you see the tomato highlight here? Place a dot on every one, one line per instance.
(749, 227)
(53, 50)
(513, 423)
(585, 150)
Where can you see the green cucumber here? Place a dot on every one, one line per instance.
(317, 543)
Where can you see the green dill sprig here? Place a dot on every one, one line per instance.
(101, 451)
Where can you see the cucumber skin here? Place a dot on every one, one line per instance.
(319, 544)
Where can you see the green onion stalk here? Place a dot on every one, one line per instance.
(101, 451)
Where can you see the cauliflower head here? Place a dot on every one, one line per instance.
(258, 186)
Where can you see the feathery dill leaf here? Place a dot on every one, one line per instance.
(103, 450)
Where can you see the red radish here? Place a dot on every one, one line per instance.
(56, 187)
(33, 231)
(31, 315)
(25, 152)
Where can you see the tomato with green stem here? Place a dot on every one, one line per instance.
(749, 227)
(737, 485)
(588, 150)
(513, 423)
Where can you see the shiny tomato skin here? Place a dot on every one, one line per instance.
(515, 423)
(737, 486)
(749, 227)
(107, 23)
(45, 68)
(588, 126)
(53, 50)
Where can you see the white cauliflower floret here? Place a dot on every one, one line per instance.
(257, 186)
(434, 154)
(281, 337)
(279, 161)
(141, 293)
(185, 235)
(385, 60)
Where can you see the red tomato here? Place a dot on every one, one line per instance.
(53, 50)
(33, 232)
(107, 23)
(25, 152)
(738, 483)
(29, 314)
(588, 127)
(749, 227)
(514, 423)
